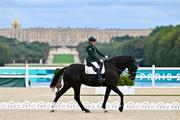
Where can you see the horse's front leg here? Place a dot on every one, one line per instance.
(77, 88)
(106, 96)
(116, 90)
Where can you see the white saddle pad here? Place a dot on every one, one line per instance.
(90, 70)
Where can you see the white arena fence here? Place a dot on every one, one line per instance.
(71, 105)
(153, 76)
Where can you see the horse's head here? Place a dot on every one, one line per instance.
(132, 68)
(123, 62)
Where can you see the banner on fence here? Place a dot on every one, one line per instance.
(12, 82)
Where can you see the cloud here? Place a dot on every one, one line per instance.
(81, 3)
(90, 13)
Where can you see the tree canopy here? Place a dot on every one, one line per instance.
(161, 47)
(22, 51)
(4, 54)
(132, 46)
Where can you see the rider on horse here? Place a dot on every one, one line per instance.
(92, 58)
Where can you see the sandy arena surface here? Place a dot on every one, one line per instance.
(94, 115)
(44, 94)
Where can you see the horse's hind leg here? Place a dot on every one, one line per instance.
(59, 94)
(77, 97)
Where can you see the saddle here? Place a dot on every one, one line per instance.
(89, 69)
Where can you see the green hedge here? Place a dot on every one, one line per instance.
(124, 80)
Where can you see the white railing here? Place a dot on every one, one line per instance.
(155, 76)
(151, 75)
(26, 75)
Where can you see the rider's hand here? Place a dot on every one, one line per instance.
(101, 60)
(106, 56)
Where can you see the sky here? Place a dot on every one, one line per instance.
(123, 14)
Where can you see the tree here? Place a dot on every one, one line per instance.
(4, 54)
(81, 48)
(134, 48)
(22, 51)
(122, 38)
(163, 47)
(131, 46)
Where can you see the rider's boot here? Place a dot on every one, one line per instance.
(99, 77)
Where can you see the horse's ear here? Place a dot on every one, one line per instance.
(138, 61)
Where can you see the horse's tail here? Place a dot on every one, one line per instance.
(58, 73)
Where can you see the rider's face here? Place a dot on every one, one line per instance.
(93, 42)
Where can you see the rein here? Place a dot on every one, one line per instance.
(120, 70)
(117, 69)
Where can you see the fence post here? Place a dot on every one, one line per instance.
(27, 75)
(153, 76)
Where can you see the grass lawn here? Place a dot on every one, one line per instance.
(63, 58)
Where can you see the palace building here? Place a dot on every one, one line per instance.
(67, 36)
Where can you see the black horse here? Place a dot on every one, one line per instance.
(74, 75)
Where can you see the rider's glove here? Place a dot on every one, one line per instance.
(106, 56)
(101, 60)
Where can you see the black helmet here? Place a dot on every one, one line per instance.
(92, 38)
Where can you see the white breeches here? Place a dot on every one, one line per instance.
(95, 64)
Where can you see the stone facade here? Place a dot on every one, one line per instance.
(69, 36)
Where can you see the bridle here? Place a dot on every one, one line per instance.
(121, 70)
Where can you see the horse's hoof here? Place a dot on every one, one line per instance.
(52, 111)
(105, 111)
(121, 109)
(87, 111)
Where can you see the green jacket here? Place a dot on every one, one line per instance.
(92, 53)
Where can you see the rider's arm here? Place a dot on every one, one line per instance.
(100, 53)
(91, 53)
